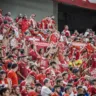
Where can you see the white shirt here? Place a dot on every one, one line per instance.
(45, 91)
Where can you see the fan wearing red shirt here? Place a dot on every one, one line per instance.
(24, 24)
(65, 78)
(42, 60)
(41, 76)
(12, 74)
(8, 17)
(66, 31)
(44, 23)
(92, 89)
(90, 48)
(93, 65)
(22, 69)
(33, 52)
(30, 80)
(37, 90)
(19, 18)
(5, 27)
(54, 37)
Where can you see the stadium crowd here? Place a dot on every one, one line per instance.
(38, 60)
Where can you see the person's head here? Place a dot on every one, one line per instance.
(14, 67)
(47, 82)
(49, 75)
(30, 79)
(9, 14)
(33, 67)
(59, 82)
(33, 16)
(4, 91)
(41, 51)
(15, 51)
(20, 15)
(57, 88)
(53, 64)
(10, 57)
(94, 82)
(65, 75)
(9, 66)
(25, 16)
(66, 27)
(52, 17)
(38, 87)
(16, 90)
(2, 74)
(76, 72)
(80, 90)
(5, 22)
(68, 90)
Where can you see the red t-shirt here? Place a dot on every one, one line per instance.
(54, 38)
(33, 54)
(89, 48)
(92, 90)
(23, 69)
(41, 78)
(54, 94)
(32, 93)
(93, 58)
(24, 93)
(24, 25)
(13, 76)
(43, 62)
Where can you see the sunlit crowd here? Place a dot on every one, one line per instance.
(38, 60)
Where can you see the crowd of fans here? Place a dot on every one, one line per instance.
(38, 60)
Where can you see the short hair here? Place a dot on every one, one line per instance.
(9, 65)
(3, 90)
(14, 49)
(67, 88)
(38, 84)
(14, 66)
(10, 56)
(56, 86)
(46, 80)
(53, 62)
(2, 72)
(64, 73)
(94, 80)
(79, 87)
(58, 81)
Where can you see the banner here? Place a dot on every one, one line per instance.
(89, 4)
